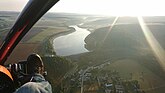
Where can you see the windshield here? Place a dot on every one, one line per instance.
(101, 46)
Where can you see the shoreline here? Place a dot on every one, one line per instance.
(54, 36)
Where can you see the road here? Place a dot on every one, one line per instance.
(91, 68)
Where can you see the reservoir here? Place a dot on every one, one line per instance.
(72, 43)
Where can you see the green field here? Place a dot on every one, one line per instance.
(146, 78)
(49, 32)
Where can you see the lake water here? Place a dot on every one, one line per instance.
(72, 43)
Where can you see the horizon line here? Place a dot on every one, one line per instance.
(88, 14)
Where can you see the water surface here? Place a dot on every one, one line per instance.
(72, 43)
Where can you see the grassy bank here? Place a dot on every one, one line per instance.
(57, 67)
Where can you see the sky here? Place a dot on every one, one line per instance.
(102, 7)
(12, 5)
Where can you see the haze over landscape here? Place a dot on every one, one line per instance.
(123, 52)
(99, 7)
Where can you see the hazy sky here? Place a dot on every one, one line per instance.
(108, 7)
(12, 5)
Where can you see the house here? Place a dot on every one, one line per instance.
(119, 89)
(108, 85)
(108, 91)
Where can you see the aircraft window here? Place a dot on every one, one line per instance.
(112, 46)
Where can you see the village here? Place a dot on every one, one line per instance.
(96, 80)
